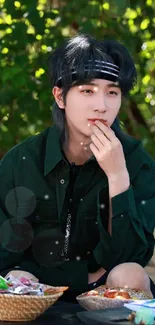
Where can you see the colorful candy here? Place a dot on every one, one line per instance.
(3, 284)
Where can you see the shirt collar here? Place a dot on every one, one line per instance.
(53, 152)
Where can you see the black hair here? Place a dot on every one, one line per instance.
(73, 55)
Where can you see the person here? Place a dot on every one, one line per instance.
(77, 200)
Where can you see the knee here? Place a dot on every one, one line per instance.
(132, 275)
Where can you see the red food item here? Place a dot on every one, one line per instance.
(92, 293)
(111, 293)
(124, 294)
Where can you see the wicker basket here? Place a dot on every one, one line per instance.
(23, 307)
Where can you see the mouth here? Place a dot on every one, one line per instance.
(92, 121)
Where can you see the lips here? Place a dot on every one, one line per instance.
(96, 119)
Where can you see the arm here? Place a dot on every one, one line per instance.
(117, 185)
(132, 236)
(133, 222)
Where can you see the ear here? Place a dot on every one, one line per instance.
(57, 93)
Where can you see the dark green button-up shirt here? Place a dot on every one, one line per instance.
(34, 178)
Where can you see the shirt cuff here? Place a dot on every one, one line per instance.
(123, 203)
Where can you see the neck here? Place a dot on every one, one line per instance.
(75, 150)
(77, 154)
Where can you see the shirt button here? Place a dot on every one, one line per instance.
(62, 181)
(122, 215)
(37, 218)
(81, 199)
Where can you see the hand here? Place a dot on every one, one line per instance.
(108, 150)
(93, 277)
(19, 273)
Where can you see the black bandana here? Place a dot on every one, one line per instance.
(102, 70)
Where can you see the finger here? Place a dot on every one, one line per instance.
(101, 136)
(106, 129)
(94, 149)
(99, 145)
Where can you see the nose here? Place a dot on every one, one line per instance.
(101, 105)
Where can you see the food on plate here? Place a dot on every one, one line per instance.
(110, 293)
(124, 294)
(117, 294)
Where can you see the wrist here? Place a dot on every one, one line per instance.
(118, 183)
(123, 175)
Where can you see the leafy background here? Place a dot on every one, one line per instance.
(31, 29)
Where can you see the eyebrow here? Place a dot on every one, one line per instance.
(112, 84)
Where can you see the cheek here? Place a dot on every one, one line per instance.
(117, 104)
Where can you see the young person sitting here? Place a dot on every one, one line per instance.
(78, 200)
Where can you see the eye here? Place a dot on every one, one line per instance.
(87, 91)
(113, 93)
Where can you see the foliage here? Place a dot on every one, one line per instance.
(30, 29)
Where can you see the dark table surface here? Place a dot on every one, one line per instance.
(67, 313)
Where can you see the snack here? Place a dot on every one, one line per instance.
(3, 284)
(110, 293)
(24, 286)
(110, 297)
(92, 293)
(23, 299)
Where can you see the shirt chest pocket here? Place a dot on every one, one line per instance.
(90, 209)
(44, 213)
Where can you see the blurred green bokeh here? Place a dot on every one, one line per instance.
(30, 29)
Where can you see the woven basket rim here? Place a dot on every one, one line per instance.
(30, 296)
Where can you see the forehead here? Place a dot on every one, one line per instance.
(99, 83)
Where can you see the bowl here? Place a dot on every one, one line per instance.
(90, 302)
(26, 307)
